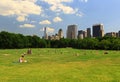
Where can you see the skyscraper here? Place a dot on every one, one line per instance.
(45, 33)
(89, 32)
(84, 34)
(72, 32)
(98, 30)
(80, 34)
(60, 33)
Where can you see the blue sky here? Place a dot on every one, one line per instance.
(29, 17)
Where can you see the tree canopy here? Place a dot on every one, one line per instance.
(12, 41)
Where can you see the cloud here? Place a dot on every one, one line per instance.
(58, 6)
(84, 1)
(45, 22)
(66, 9)
(27, 26)
(61, 6)
(57, 19)
(20, 18)
(80, 14)
(54, 2)
(50, 30)
(20, 8)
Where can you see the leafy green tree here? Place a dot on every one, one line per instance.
(5, 40)
(104, 44)
(11, 40)
(116, 44)
(43, 43)
(35, 41)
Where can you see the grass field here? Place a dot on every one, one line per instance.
(60, 65)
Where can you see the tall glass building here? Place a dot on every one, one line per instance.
(98, 30)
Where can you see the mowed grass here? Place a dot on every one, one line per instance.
(60, 65)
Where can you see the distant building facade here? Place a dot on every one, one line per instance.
(60, 33)
(72, 32)
(117, 35)
(112, 34)
(57, 36)
(45, 33)
(80, 34)
(88, 32)
(84, 34)
(98, 30)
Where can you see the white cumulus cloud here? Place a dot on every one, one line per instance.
(27, 26)
(57, 19)
(66, 9)
(50, 29)
(45, 22)
(20, 8)
(58, 6)
(20, 18)
(61, 6)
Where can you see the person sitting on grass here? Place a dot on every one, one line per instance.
(21, 60)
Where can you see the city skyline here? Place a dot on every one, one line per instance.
(29, 17)
(97, 30)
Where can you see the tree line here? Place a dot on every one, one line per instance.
(17, 41)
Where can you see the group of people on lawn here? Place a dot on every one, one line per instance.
(21, 59)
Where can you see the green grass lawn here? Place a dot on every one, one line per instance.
(60, 65)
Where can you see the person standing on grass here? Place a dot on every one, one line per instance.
(29, 51)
